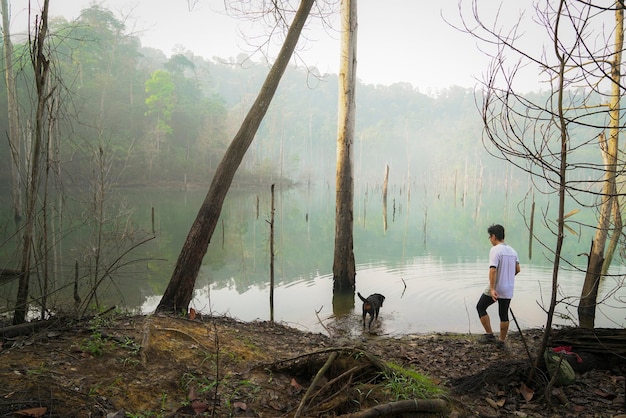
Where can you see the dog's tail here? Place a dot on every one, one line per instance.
(362, 298)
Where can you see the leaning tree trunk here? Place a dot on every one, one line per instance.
(14, 138)
(609, 149)
(344, 270)
(179, 291)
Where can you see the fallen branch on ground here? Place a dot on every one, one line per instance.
(389, 409)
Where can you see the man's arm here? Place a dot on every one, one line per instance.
(492, 282)
(517, 268)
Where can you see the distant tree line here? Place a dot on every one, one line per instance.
(158, 120)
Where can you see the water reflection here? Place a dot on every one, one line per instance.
(430, 262)
(343, 304)
(438, 297)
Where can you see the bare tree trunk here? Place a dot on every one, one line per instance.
(179, 291)
(271, 222)
(531, 229)
(609, 149)
(617, 233)
(15, 147)
(40, 66)
(385, 186)
(344, 269)
(614, 125)
(614, 133)
(562, 126)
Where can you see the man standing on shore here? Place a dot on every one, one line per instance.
(503, 267)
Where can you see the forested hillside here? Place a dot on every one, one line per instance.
(133, 116)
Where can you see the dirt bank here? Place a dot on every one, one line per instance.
(160, 366)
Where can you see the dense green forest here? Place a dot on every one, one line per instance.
(144, 119)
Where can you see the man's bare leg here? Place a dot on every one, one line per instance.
(504, 329)
(486, 323)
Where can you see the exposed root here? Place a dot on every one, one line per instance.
(343, 378)
(390, 409)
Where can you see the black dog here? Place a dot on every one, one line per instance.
(371, 306)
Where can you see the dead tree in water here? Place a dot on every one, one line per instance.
(271, 222)
(344, 268)
(385, 185)
(179, 291)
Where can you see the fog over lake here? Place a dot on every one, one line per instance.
(429, 257)
(430, 261)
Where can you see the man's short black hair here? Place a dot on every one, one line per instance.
(497, 230)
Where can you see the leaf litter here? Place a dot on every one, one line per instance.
(218, 366)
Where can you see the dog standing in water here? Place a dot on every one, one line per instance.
(371, 306)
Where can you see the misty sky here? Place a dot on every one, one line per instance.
(398, 40)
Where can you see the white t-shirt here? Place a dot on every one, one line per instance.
(504, 259)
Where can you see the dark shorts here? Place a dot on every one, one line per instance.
(486, 301)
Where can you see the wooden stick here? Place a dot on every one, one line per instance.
(311, 387)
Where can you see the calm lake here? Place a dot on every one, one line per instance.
(428, 256)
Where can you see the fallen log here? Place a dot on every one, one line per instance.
(597, 341)
(589, 349)
(26, 328)
(392, 408)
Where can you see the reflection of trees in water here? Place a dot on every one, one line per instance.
(304, 236)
